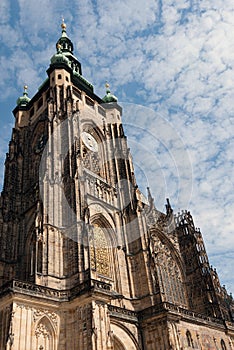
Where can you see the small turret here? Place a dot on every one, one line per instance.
(59, 57)
(64, 54)
(65, 43)
(23, 100)
(169, 209)
(108, 98)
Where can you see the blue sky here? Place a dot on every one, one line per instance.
(175, 58)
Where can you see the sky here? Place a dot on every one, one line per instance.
(171, 65)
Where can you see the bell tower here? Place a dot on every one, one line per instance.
(70, 219)
(86, 261)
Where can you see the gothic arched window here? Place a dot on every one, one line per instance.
(39, 256)
(91, 160)
(189, 339)
(169, 274)
(100, 251)
(44, 338)
(32, 255)
(90, 153)
(223, 346)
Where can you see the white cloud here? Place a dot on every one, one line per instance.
(5, 11)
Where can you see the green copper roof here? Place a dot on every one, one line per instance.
(59, 57)
(109, 97)
(23, 100)
(86, 82)
(64, 53)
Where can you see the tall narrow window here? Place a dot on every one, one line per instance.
(32, 255)
(100, 252)
(169, 274)
(189, 339)
(39, 256)
(223, 346)
(44, 337)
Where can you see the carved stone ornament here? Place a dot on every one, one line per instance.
(52, 316)
(42, 330)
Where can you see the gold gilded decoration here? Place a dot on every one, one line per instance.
(99, 252)
(63, 25)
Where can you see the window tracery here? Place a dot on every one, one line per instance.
(44, 335)
(32, 255)
(92, 149)
(100, 251)
(39, 256)
(42, 330)
(169, 274)
(91, 161)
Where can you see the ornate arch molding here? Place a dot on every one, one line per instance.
(33, 251)
(94, 128)
(118, 345)
(124, 337)
(162, 236)
(94, 161)
(102, 247)
(103, 221)
(168, 269)
(99, 212)
(44, 334)
(30, 253)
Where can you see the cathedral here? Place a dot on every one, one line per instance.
(87, 262)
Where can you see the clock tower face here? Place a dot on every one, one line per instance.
(89, 141)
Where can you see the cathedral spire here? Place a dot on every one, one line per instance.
(169, 209)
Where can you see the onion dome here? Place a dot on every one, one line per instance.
(109, 97)
(59, 57)
(23, 100)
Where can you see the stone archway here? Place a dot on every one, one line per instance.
(118, 344)
(123, 339)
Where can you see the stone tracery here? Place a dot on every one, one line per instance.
(169, 274)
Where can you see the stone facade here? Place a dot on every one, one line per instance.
(86, 262)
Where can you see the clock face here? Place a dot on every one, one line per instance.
(89, 141)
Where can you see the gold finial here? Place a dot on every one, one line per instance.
(63, 25)
(25, 88)
(107, 85)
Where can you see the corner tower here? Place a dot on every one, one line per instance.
(69, 216)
